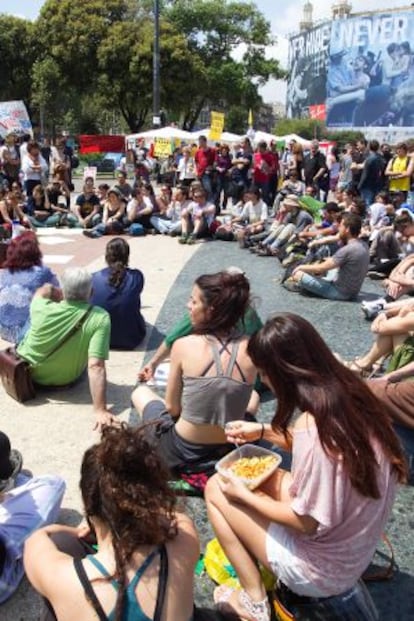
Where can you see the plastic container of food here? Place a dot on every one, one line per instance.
(250, 464)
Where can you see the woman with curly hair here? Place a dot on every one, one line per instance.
(317, 526)
(117, 288)
(210, 381)
(144, 567)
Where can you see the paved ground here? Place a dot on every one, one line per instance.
(54, 430)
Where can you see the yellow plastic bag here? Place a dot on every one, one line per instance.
(221, 571)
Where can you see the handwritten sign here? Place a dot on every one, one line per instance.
(217, 125)
(162, 147)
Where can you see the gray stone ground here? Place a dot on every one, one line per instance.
(53, 431)
(346, 331)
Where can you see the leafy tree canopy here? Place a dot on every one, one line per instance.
(17, 53)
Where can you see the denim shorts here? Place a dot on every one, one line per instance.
(322, 287)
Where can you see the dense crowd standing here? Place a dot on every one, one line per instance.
(330, 219)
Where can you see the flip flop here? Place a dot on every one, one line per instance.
(358, 369)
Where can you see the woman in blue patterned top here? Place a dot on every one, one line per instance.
(21, 275)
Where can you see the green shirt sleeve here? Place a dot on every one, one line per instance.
(182, 328)
(251, 322)
(99, 343)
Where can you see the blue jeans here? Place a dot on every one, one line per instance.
(207, 184)
(353, 605)
(33, 503)
(321, 287)
(368, 195)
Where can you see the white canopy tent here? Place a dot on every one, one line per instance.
(163, 132)
(227, 137)
(289, 137)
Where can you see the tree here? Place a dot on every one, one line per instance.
(70, 32)
(17, 53)
(310, 128)
(230, 38)
(125, 64)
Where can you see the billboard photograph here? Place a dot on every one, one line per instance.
(308, 63)
(370, 77)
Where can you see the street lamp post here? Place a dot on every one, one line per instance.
(156, 119)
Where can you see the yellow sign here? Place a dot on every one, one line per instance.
(217, 125)
(162, 147)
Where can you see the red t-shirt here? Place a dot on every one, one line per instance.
(203, 159)
(264, 165)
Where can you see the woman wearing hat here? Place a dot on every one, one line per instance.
(113, 214)
(26, 504)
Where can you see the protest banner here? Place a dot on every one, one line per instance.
(216, 126)
(162, 147)
(14, 118)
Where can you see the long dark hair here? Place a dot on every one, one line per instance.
(125, 485)
(227, 296)
(305, 375)
(117, 258)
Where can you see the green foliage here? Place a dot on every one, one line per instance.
(85, 62)
(17, 53)
(219, 31)
(71, 31)
(86, 158)
(342, 137)
(309, 128)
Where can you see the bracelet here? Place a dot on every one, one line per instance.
(262, 432)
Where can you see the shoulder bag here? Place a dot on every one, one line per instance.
(15, 372)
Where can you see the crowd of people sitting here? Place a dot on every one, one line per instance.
(314, 527)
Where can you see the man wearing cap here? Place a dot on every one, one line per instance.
(350, 263)
(294, 222)
(26, 504)
(52, 319)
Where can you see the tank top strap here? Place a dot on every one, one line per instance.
(233, 356)
(91, 558)
(216, 358)
(147, 562)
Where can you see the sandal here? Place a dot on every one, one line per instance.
(358, 369)
(255, 611)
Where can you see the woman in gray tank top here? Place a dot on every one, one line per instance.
(210, 381)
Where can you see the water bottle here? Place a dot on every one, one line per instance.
(16, 228)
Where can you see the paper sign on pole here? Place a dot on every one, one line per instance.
(216, 126)
(162, 147)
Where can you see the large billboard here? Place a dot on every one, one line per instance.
(370, 81)
(308, 65)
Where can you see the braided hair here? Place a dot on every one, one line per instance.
(117, 258)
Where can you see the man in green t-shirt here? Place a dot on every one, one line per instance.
(52, 317)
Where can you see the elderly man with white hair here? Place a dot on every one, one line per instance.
(68, 335)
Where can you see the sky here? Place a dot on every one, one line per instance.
(284, 16)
